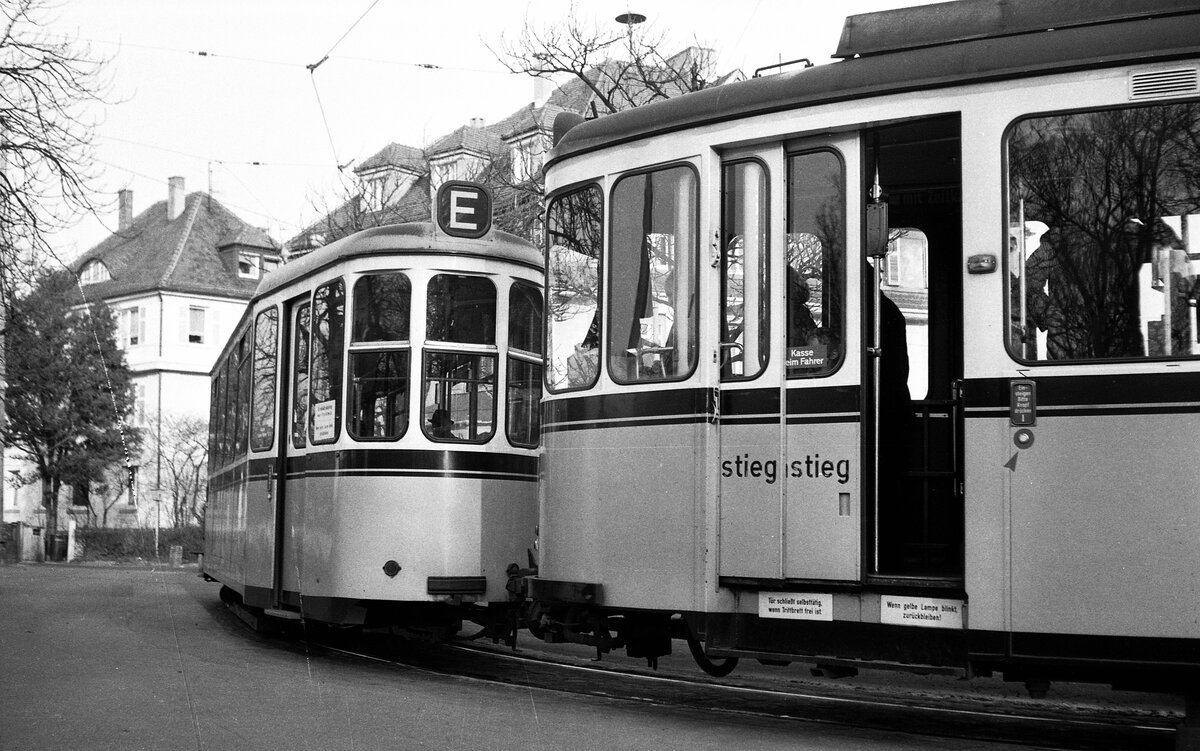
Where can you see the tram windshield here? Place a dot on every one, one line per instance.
(1103, 248)
(652, 312)
(575, 237)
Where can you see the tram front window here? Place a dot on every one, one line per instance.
(524, 364)
(652, 295)
(575, 236)
(460, 386)
(380, 356)
(1104, 255)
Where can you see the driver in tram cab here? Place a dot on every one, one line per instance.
(440, 424)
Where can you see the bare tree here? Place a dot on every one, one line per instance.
(46, 84)
(622, 68)
(184, 457)
(357, 205)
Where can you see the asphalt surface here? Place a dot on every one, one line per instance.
(95, 657)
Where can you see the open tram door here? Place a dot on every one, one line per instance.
(912, 353)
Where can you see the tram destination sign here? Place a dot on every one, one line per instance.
(463, 209)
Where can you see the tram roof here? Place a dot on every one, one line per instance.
(408, 238)
(928, 47)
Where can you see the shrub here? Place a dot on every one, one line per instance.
(103, 544)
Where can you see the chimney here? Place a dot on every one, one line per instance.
(124, 209)
(477, 122)
(175, 198)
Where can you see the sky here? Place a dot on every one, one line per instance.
(219, 92)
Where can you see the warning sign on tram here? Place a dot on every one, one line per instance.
(463, 209)
(799, 606)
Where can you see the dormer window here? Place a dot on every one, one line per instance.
(93, 272)
(249, 265)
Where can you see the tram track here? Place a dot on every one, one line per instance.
(929, 715)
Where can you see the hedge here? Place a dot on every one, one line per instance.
(127, 544)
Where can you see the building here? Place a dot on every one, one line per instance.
(178, 276)
(399, 183)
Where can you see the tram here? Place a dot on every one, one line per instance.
(890, 362)
(375, 428)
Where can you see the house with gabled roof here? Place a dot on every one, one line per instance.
(178, 276)
(399, 183)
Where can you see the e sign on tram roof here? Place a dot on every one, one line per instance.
(463, 209)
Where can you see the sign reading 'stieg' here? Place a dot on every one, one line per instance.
(463, 209)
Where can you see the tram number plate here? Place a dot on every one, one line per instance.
(929, 612)
(801, 606)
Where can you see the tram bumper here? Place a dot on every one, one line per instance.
(550, 591)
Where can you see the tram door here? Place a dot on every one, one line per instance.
(290, 463)
(749, 422)
(913, 354)
(788, 424)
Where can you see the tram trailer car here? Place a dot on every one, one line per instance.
(890, 362)
(374, 433)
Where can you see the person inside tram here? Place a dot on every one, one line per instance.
(440, 424)
(802, 329)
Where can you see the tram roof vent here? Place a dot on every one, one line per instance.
(1163, 83)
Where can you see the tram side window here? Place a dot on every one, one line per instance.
(653, 313)
(1104, 234)
(262, 415)
(214, 405)
(325, 390)
(524, 364)
(575, 237)
(816, 247)
(745, 304)
(380, 356)
(241, 422)
(215, 414)
(300, 375)
(460, 387)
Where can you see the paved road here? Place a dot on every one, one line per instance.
(133, 658)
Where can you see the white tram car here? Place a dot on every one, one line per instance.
(891, 361)
(375, 429)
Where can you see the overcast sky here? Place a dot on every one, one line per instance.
(203, 89)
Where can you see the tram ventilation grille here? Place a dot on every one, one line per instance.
(1162, 83)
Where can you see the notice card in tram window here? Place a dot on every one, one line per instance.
(322, 427)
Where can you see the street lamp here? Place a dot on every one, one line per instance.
(630, 18)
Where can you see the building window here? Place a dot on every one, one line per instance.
(196, 325)
(139, 404)
(81, 495)
(132, 323)
(249, 265)
(93, 272)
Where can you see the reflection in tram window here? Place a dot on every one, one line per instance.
(300, 376)
(381, 308)
(459, 396)
(1103, 249)
(461, 309)
(380, 356)
(524, 364)
(262, 422)
(241, 407)
(745, 339)
(652, 295)
(816, 228)
(325, 392)
(574, 237)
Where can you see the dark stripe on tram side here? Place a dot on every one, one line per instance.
(816, 405)
(630, 409)
(414, 463)
(1090, 395)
